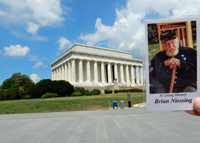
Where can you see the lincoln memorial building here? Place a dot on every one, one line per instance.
(84, 65)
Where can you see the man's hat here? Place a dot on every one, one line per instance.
(167, 35)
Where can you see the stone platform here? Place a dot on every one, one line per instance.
(133, 125)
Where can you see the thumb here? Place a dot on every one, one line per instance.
(197, 105)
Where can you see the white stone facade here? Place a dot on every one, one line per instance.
(84, 65)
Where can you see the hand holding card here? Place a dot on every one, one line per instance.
(197, 108)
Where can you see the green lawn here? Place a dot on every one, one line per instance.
(60, 104)
(153, 50)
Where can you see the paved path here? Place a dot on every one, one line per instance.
(101, 126)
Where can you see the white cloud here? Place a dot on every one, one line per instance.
(64, 43)
(35, 78)
(39, 38)
(126, 33)
(33, 58)
(39, 64)
(32, 27)
(16, 50)
(57, 54)
(34, 13)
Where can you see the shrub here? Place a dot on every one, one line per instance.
(87, 92)
(49, 95)
(116, 91)
(131, 90)
(60, 87)
(76, 94)
(80, 89)
(108, 91)
(63, 88)
(95, 92)
(27, 97)
(2, 94)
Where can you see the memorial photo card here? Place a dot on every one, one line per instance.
(172, 63)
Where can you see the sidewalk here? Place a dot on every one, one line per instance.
(100, 126)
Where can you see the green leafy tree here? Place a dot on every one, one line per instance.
(16, 75)
(9, 83)
(152, 34)
(15, 87)
(60, 87)
(193, 30)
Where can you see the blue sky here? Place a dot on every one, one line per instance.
(34, 32)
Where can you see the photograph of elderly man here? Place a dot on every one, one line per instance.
(173, 62)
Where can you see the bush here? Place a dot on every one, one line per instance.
(27, 97)
(116, 91)
(108, 91)
(87, 92)
(76, 94)
(2, 94)
(80, 89)
(131, 90)
(60, 87)
(63, 88)
(95, 92)
(49, 95)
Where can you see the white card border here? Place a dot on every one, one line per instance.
(150, 98)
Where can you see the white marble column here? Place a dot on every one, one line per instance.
(137, 75)
(63, 72)
(132, 75)
(60, 73)
(141, 75)
(88, 71)
(66, 72)
(80, 70)
(52, 78)
(109, 73)
(95, 72)
(116, 72)
(69, 71)
(56, 73)
(127, 75)
(102, 73)
(122, 73)
(73, 69)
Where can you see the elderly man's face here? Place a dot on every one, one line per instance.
(171, 47)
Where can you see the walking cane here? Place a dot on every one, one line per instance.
(172, 79)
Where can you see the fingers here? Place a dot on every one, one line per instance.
(193, 112)
(197, 105)
(171, 62)
(197, 108)
(176, 62)
(171, 66)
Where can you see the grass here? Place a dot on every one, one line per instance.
(153, 50)
(61, 104)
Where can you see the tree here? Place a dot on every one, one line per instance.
(16, 75)
(193, 30)
(16, 87)
(152, 34)
(42, 87)
(8, 83)
(61, 87)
